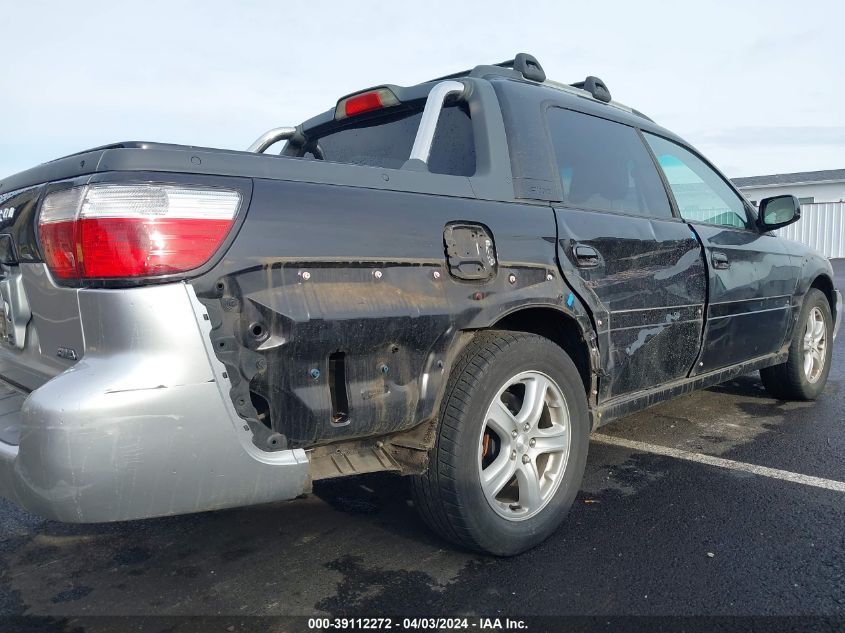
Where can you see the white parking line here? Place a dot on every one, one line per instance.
(807, 480)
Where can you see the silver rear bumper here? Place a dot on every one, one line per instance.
(838, 321)
(142, 424)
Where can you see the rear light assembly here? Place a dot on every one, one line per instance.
(107, 231)
(368, 101)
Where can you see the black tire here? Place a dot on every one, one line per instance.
(789, 381)
(449, 495)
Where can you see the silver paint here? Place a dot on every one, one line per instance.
(142, 425)
(16, 312)
(54, 324)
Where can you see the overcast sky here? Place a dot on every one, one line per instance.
(757, 86)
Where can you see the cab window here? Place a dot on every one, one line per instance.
(603, 165)
(386, 141)
(702, 195)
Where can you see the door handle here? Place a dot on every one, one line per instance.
(585, 256)
(720, 261)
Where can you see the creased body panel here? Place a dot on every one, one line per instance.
(327, 279)
(752, 300)
(647, 287)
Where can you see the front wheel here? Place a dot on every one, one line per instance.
(804, 374)
(511, 445)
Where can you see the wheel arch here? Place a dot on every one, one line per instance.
(561, 328)
(571, 331)
(824, 283)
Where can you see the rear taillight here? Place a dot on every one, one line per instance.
(138, 230)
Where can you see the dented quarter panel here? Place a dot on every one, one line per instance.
(328, 269)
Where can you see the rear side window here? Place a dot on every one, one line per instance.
(386, 142)
(605, 166)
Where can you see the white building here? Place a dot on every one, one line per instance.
(822, 197)
(808, 186)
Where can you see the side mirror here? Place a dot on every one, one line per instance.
(778, 211)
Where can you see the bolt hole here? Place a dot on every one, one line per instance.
(221, 285)
(258, 331)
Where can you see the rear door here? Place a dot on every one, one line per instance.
(640, 268)
(752, 278)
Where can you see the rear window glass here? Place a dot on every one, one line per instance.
(387, 141)
(604, 165)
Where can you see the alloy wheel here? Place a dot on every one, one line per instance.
(524, 445)
(815, 345)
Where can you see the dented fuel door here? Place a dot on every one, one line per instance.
(470, 252)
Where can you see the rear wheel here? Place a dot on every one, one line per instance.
(804, 374)
(511, 445)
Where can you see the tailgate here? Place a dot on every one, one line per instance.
(41, 332)
(39, 321)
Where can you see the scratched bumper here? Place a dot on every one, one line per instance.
(141, 425)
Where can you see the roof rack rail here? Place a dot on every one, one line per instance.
(528, 66)
(595, 87)
(523, 63)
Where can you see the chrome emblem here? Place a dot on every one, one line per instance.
(7, 214)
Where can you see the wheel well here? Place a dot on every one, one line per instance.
(825, 284)
(559, 328)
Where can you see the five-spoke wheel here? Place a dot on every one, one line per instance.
(804, 374)
(524, 445)
(815, 343)
(511, 444)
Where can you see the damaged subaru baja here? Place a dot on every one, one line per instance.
(455, 281)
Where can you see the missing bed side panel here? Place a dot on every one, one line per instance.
(337, 389)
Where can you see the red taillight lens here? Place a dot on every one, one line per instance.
(108, 231)
(365, 102)
(58, 240)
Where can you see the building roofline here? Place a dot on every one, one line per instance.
(788, 184)
(794, 178)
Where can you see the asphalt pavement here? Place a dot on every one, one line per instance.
(649, 534)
